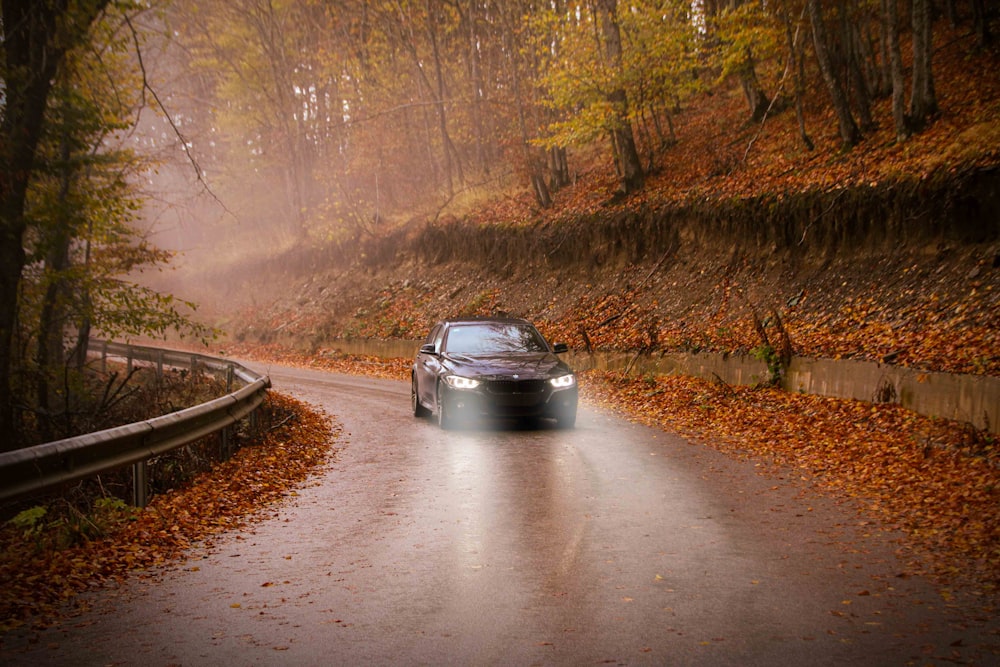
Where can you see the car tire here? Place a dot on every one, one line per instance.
(444, 418)
(418, 410)
(566, 419)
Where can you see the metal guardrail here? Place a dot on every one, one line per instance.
(33, 469)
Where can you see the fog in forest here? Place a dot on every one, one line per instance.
(283, 129)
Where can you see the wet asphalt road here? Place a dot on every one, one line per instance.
(608, 544)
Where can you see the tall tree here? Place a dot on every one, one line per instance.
(518, 73)
(850, 135)
(981, 23)
(660, 56)
(890, 28)
(795, 58)
(923, 99)
(854, 64)
(35, 40)
(744, 33)
(629, 165)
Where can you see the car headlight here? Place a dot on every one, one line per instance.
(459, 382)
(563, 381)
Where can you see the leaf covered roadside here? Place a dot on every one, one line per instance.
(41, 583)
(935, 480)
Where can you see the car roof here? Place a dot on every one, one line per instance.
(481, 320)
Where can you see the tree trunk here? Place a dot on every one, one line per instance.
(51, 323)
(446, 145)
(849, 132)
(890, 23)
(857, 77)
(542, 193)
(753, 92)
(923, 99)
(558, 168)
(31, 62)
(951, 12)
(536, 179)
(478, 88)
(11, 263)
(798, 77)
(981, 23)
(630, 166)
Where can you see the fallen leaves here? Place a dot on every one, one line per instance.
(900, 323)
(40, 583)
(327, 360)
(930, 478)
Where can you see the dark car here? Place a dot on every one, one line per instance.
(497, 367)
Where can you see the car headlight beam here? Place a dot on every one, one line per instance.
(563, 381)
(459, 382)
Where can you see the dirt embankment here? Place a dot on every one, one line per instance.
(908, 273)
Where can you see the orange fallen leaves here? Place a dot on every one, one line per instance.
(935, 480)
(41, 584)
(956, 335)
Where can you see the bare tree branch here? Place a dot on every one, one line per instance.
(177, 131)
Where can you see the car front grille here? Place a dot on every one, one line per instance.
(507, 387)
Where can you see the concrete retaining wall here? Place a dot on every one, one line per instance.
(967, 398)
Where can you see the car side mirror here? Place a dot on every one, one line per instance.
(428, 348)
(559, 348)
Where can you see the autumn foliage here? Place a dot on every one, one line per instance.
(892, 295)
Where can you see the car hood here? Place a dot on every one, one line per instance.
(527, 366)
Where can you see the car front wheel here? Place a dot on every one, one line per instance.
(566, 418)
(418, 409)
(444, 418)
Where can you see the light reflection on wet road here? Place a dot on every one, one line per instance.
(607, 544)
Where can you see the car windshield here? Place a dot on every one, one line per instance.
(494, 338)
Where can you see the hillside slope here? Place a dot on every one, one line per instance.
(918, 293)
(890, 251)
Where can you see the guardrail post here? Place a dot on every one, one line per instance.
(227, 433)
(227, 443)
(104, 357)
(139, 495)
(159, 364)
